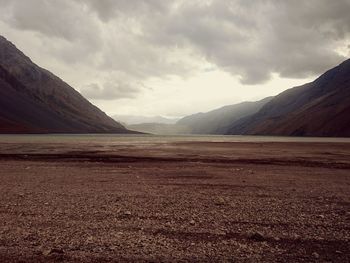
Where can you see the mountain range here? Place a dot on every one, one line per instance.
(33, 100)
(319, 108)
(136, 119)
(218, 121)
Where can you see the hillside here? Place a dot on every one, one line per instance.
(219, 120)
(319, 108)
(33, 100)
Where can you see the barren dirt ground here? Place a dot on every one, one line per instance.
(179, 201)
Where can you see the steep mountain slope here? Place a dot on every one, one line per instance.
(219, 120)
(33, 100)
(319, 108)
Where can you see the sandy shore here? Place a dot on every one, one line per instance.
(175, 201)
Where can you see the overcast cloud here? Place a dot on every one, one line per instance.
(126, 43)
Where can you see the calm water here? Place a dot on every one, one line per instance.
(151, 139)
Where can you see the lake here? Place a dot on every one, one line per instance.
(151, 139)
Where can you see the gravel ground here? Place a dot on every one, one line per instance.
(175, 202)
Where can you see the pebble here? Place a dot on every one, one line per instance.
(315, 255)
(192, 222)
(127, 213)
(56, 251)
(257, 236)
(51, 251)
(295, 236)
(220, 201)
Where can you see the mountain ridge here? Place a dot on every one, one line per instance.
(212, 122)
(318, 108)
(34, 100)
(218, 120)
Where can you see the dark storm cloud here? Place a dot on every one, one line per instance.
(292, 38)
(251, 39)
(156, 38)
(63, 27)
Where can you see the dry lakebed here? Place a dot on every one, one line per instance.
(160, 199)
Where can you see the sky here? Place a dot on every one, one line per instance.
(174, 58)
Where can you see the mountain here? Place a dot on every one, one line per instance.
(319, 108)
(33, 100)
(160, 128)
(218, 121)
(133, 119)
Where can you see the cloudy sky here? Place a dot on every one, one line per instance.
(172, 58)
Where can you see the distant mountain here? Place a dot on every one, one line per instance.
(33, 100)
(133, 119)
(160, 128)
(218, 121)
(319, 108)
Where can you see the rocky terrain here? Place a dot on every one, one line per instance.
(33, 100)
(174, 201)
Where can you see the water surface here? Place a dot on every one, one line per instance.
(151, 139)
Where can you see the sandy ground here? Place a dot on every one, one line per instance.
(175, 202)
